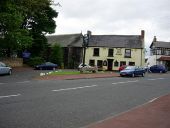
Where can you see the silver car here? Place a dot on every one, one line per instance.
(4, 69)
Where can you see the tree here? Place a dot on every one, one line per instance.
(23, 22)
(56, 54)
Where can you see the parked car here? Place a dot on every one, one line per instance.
(46, 66)
(87, 67)
(133, 71)
(4, 69)
(122, 67)
(158, 69)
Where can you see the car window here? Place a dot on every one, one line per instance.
(2, 65)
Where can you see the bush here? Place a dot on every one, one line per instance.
(35, 61)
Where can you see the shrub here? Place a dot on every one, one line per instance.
(35, 61)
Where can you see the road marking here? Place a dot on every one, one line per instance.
(67, 89)
(151, 79)
(2, 83)
(153, 100)
(9, 96)
(125, 82)
(161, 78)
(23, 82)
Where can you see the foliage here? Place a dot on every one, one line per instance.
(23, 22)
(35, 61)
(56, 54)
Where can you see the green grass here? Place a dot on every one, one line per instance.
(65, 73)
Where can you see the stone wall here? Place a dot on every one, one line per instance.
(13, 62)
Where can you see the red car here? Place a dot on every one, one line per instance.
(122, 67)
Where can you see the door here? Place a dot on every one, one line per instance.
(110, 64)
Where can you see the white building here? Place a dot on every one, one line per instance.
(159, 53)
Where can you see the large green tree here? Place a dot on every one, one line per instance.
(24, 23)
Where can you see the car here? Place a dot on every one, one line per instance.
(46, 66)
(122, 67)
(133, 71)
(4, 69)
(87, 67)
(158, 69)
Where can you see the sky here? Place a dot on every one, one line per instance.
(115, 17)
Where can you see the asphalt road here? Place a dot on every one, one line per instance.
(28, 103)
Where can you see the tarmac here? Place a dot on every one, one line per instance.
(153, 114)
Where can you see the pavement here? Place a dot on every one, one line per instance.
(153, 114)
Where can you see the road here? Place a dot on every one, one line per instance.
(29, 103)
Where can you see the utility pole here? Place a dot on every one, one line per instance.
(85, 44)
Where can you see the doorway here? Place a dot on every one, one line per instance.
(110, 64)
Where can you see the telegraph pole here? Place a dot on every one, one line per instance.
(85, 44)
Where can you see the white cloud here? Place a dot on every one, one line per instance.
(124, 17)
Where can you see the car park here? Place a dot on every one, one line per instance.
(4, 69)
(46, 66)
(133, 71)
(158, 69)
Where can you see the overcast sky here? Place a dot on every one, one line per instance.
(116, 17)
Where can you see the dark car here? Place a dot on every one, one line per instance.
(133, 71)
(46, 66)
(158, 69)
(4, 69)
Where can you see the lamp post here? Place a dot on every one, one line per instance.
(85, 44)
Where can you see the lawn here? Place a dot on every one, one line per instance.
(64, 73)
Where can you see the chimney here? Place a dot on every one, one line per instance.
(89, 33)
(142, 34)
(154, 39)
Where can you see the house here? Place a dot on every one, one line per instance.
(72, 48)
(108, 52)
(159, 53)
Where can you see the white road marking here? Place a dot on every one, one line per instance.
(153, 100)
(151, 79)
(2, 83)
(67, 89)
(9, 96)
(161, 78)
(23, 82)
(125, 82)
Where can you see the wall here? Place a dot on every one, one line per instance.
(103, 55)
(13, 62)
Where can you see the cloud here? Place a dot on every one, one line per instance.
(115, 17)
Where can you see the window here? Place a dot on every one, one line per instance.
(131, 63)
(122, 63)
(116, 64)
(91, 62)
(99, 63)
(127, 53)
(96, 52)
(110, 53)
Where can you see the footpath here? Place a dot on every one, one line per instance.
(154, 114)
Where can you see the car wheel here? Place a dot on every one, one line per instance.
(10, 72)
(143, 74)
(133, 75)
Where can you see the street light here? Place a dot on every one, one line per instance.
(85, 44)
